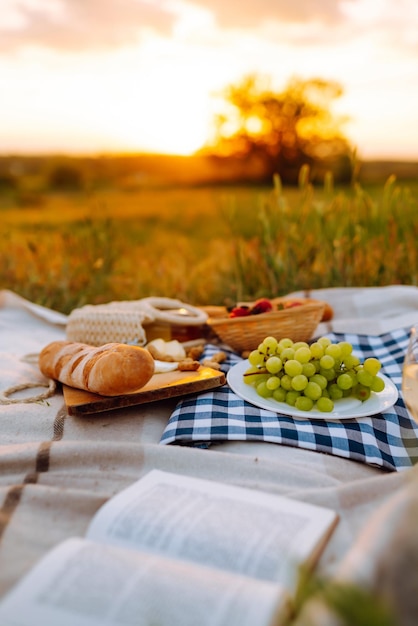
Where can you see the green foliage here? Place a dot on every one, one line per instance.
(322, 239)
(208, 245)
(347, 603)
(358, 607)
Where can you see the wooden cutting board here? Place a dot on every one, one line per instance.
(160, 387)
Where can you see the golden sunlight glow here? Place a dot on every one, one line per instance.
(158, 94)
(110, 103)
(166, 112)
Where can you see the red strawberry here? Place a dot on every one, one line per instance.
(263, 305)
(240, 311)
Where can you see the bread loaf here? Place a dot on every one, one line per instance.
(109, 370)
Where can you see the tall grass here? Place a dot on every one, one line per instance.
(207, 245)
(343, 238)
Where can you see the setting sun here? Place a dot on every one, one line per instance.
(148, 79)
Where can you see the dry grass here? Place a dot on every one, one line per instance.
(207, 245)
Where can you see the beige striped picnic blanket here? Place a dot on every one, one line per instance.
(56, 470)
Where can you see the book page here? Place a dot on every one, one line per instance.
(90, 584)
(239, 530)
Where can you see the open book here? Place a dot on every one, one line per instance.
(172, 550)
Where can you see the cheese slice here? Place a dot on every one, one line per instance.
(164, 366)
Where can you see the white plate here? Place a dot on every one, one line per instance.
(346, 408)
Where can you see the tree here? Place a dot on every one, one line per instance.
(283, 131)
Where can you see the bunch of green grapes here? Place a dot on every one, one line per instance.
(307, 376)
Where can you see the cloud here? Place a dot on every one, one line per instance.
(321, 22)
(89, 24)
(394, 22)
(80, 24)
(251, 13)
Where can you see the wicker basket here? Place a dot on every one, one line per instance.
(243, 334)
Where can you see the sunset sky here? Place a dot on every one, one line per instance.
(89, 76)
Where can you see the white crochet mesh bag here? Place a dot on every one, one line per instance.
(124, 321)
(97, 326)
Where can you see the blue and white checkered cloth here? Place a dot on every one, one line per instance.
(388, 439)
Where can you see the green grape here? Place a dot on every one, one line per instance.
(303, 403)
(333, 350)
(256, 358)
(249, 375)
(309, 369)
(292, 396)
(353, 375)
(293, 367)
(344, 381)
(378, 384)
(364, 377)
(351, 361)
(317, 350)
(257, 378)
(299, 382)
(325, 405)
(285, 343)
(324, 341)
(300, 344)
(273, 383)
(279, 394)
(335, 392)
(270, 343)
(328, 374)
(263, 390)
(286, 382)
(274, 364)
(252, 369)
(302, 375)
(287, 353)
(326, 362)
(312, 391)
(320, 380)
(346, 348)
(303, 354)
(372, 366)
(362, 393)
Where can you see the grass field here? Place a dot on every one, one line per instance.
(207, 245)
